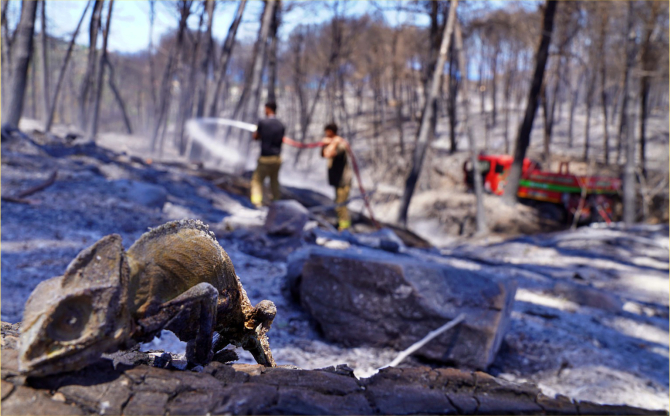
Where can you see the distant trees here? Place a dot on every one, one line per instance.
(371, 73)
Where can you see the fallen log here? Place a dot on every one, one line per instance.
(133, 387)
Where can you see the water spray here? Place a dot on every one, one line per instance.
(194, 127)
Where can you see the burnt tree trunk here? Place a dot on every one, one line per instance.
(397, 96)
(648, 61)
(152, 72)
(33, 89)
(87, 79)
(22, 50)
(644, 97)
(494, 84)
(603, 82)
(224, 60)
(272, 55)
(256, 60)
(61, 73)
(203, 80)
(93, 127)
(453, 97)
(623, 116)
(117, 96)
(480, 216)
(45, 59)
(523, 137)
(166, 86)
(629, 193)
(188, 85)
(257, 72)
(6, 39)
(507, 98)
(427, 116)
(574, 96)
(589, 104)
(549, 110)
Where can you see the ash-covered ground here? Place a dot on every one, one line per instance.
(590, 319)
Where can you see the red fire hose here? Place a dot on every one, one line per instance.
(299, 145)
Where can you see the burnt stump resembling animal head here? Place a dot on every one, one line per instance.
(70, 320)
(175, 277)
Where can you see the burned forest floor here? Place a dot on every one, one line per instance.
(590, 317)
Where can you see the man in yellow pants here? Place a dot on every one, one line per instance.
(339, 172)
(271, 133)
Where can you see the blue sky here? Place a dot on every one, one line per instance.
(130, 23)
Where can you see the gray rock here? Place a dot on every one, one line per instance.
(369, 297)
(152, 196)
(384, 239)
(286, 218)
(588, 296)
(246, 219)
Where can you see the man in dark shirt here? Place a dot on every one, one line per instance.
(339, 173)
(271, 133)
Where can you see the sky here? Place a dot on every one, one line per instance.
(130, 29)
(130, 23)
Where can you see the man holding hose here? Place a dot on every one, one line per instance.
(270, 132)
(339, 172)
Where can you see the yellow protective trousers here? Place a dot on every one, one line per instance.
(267, 166)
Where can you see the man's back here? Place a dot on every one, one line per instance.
(270, 133)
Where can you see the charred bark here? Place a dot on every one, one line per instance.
(479, 191)
(603, 82)
(523, 137)
(629, 192)
(203, 81)
(61, 73)
(117, 97)
(45, 58)
(93, 128)
(428, 114)
(453, 95)
(21, 54)
(87, 79)
(166, 86)
(224, 60)
(272, 55)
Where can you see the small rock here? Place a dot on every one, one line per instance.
(152, 196)
(59, 397)
(286, 218)
(161, 360)
(333, 244)
(179, 362)
(384, 239)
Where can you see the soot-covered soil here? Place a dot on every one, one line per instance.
(590, 319)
